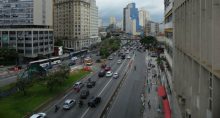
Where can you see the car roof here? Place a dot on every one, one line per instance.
(78, 82)
(37, 115)
(68, 100)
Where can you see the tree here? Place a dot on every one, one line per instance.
(109, 46)
(58, 41)
(58, 78)
(8, 56)
(149, 41)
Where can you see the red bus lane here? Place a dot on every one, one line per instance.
(166, 107)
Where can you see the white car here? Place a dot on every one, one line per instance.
(119, 61)
(110, 58)
(69, 103)
(115, 76)
(74, 58)
(109, 74)
(39, 115)
(127, 52)
(78, 84)
(128, 57)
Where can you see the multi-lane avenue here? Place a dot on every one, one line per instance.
(127, 102)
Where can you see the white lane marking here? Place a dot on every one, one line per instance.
(117, 97)
(114, 102)
(110, 79)
(104, 87)
(85, 113)
(102, 90)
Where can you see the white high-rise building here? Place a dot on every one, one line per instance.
(112, 20)
(142, 17)
(26, 25)
(94, 38)
(152, 28)
(119, 24)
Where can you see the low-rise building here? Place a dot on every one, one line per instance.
(26, 25)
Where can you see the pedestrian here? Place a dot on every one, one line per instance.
(148, 103)
(56, 108)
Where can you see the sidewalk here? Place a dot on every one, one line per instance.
(153, 105)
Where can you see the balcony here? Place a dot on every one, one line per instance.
(167, 9)
(169, 41)
(169, 58)
(168, 25)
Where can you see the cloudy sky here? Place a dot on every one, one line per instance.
(109, 8)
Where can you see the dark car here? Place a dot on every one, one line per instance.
(90, 84)
(84, 94)
(102, 73)
(103, 66)
(107, 68)
(72, 63)
(123, 57)
(98, 61)
(94, 101)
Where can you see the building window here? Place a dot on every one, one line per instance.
(20, 51)
(27, 51)
(20, 45)
(35, 44)
(210, 90)
(28, 45)
(210, 104)
(41, 44)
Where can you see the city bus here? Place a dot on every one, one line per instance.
(88, 61)
(46, 63)
(43, 63)
(55, 60)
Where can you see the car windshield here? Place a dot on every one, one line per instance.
(65, 103)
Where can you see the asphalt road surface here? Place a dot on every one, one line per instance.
(104, 88)
(127, 103)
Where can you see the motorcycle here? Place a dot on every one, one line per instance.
(80, 103)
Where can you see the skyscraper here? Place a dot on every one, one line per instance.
(112, 20)
(142, 17)
(131, 19)
(26, 25)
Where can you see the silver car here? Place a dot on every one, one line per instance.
(39, 115)
(115, 75)
(69, 103)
